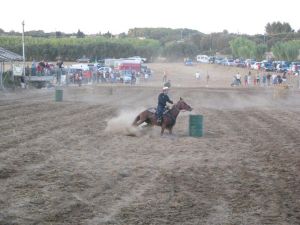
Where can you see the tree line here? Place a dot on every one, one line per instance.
(245, 48)
(70, 49)
(173, 44)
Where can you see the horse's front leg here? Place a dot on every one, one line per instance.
(170, 130)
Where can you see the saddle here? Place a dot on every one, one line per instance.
(153, 110)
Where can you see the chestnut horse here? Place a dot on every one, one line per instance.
(168, 119)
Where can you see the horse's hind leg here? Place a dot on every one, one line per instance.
(135, 122)
(138, 121)
(147, 125)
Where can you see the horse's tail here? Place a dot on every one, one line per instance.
(136, 120)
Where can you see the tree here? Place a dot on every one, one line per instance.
(287, 50)
(80, 34)
(277, 28)
(243, 47)
(260, 51)
(175, 50)
(58, 34)
(107, 34)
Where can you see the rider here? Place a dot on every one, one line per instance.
(163, 98)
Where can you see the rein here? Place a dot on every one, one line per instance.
(175, 106)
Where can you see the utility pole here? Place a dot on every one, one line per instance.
(23, 44)
(211, 43)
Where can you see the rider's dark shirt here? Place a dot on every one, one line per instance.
(163, 99)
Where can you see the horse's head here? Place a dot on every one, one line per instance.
(182, 105)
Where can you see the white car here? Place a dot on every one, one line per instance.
(142, 60)
(105, 69)
(256, 66)
(202, 58)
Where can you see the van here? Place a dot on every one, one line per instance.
(202, 58)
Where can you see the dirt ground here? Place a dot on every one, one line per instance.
(80, 162)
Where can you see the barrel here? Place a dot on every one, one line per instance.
(58, 95)
(196, 126)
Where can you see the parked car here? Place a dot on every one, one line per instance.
(83, 60)
(249, 62)
(139, 58)
(202, 58)
(127, 77)
(256, 66)
(295, 67)
(267, 66)
(105, 69)
(188, 62)
(230, 62)
(219, 60)
(283, 66)
(240, 63)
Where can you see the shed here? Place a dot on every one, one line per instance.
(7, 56)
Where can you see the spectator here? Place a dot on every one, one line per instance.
(133, 78)
(146, 76)
(39, 70)
(167, 84)
(249, 78)
(274, 79)
(238, 79)
(279, 79)
(246, 80)
(33, 68)
(269, 79)
(234, 81)
(264, 80)
(284, 78)
(258, 79)
(60, 64)
(165, 77)
(207, 79)
(23, 83)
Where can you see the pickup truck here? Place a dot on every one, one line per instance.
(40, 81)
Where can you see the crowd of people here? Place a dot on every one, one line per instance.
(263, 79)
(43, 68)
(88, 74)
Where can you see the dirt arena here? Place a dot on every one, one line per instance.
(79, 162)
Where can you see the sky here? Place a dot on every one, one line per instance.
(117, 16)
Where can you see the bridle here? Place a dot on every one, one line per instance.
(175, 106)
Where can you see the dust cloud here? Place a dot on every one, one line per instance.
(122, 123)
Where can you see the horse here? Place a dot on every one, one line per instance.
(168, 119)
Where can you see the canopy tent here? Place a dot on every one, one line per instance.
(7, 56)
